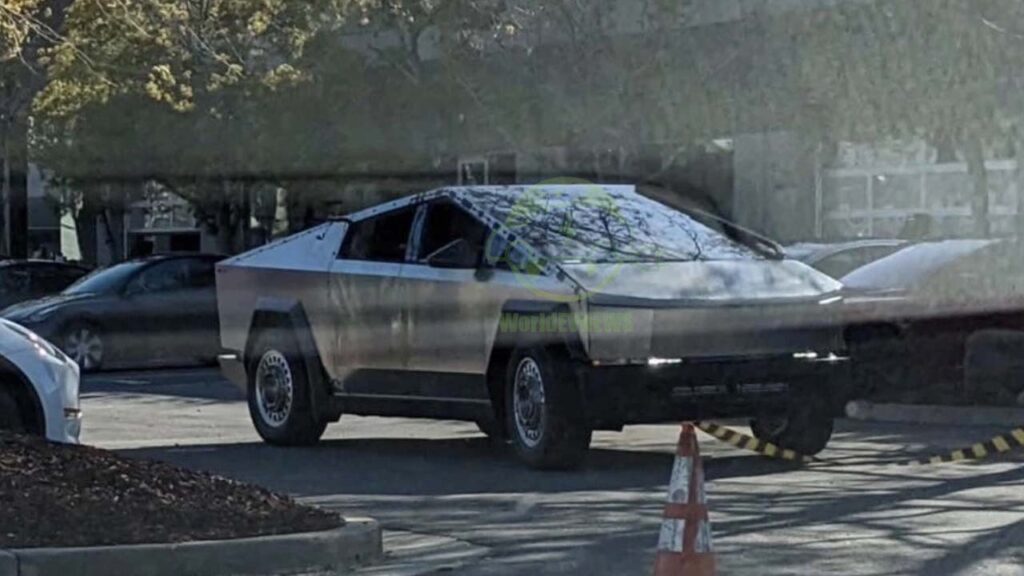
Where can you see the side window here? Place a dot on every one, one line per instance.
(451, 232)
(164, 277)
(201, 274)
(841, 264)
(382, 238)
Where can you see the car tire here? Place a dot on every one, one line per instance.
(491, 429)
(279, 394)
(543, 410)
(805, 427)
(10, 414)
(83, 343)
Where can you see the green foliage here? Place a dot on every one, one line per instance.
(200, 93)
(18, 19)
(180, 53)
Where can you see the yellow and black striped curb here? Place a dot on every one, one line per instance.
(753, 444)
(996, 445)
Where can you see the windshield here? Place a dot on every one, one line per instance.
(106, 281)
(600, 225)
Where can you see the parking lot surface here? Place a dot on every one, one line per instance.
(857, 513)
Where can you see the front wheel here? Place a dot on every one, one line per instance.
(805, 426)
(279, 395)
(543, 410)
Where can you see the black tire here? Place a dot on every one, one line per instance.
(492, 429)
(10, 415)
(83, 342)
(562, 436)
(805, 426)
(277, 352)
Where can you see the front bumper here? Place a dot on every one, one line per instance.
(616, 396)
(56, 381)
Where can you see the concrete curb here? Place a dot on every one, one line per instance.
(946, 415)
(415, 554)
(357, 542)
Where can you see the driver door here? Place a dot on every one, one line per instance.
(449, 303)
(368, 303)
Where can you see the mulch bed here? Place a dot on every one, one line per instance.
(67, 496)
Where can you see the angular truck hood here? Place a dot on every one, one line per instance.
(702, 282)
(724, 309)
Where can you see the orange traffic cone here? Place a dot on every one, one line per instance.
(684, 546)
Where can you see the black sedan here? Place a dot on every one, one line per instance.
(22, 280)
(156, 311)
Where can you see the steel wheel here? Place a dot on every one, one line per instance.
(528, 402)
(275, 388)
(84, 345)
(543, 409)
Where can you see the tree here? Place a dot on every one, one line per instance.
(185, 81)
(26, 26)
(18, 20)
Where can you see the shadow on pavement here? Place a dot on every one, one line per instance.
(197, 384)
(433, 467)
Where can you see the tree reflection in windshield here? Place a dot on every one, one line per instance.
(604, 225)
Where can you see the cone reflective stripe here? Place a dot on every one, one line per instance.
(685, 547)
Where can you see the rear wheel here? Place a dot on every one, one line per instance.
(279, 395)
(805, 426)
(543, 410)
(84, 344)
(10, 415)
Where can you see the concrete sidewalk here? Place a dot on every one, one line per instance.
(930, 414)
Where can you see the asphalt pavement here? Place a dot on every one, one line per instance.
(454, 502)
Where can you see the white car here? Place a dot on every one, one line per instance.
(38, 386)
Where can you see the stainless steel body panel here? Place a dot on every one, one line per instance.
(368, 312)
(701, 283)
(698, 332)
(454, 316)
(294, 269)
